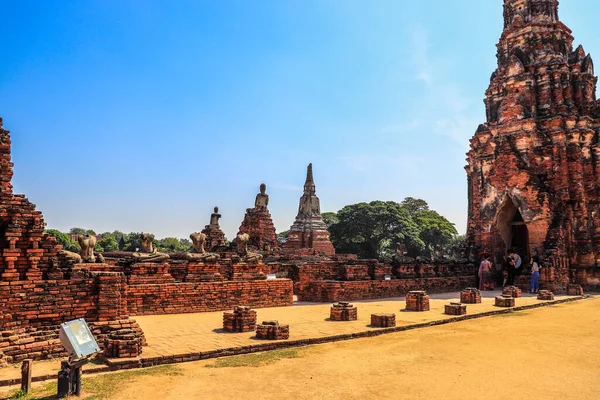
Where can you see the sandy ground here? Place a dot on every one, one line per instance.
(548, 353)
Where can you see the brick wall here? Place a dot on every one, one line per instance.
(330, 291)
(208, 296)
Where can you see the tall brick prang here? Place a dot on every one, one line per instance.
(309, 231)
(534, 167)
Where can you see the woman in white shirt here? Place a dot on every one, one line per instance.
(535, 276)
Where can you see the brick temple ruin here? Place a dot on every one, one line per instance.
(533, 177)
(43, 285)
(534, 166)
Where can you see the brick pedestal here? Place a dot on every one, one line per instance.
(512, 291)
(470, 296)
(383, 320)
(120, 339)
(545, 295)
(574, 290)
(505, 301)
(417, 300)
(241, 319)
(271, 330)
(455, 309)
(343, 311)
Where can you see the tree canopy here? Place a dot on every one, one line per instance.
(372, 229)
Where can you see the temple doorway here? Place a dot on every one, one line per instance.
(512, 228)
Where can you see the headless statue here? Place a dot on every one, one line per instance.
(214, 217)
(87, 244)
(199, 254)
(262, 199)
(242, 248)
(147, 253)
(68, 257)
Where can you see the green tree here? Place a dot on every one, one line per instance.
(329, 218)
(65, 240)
(414, 206)
(372, 229)
(435, 230)
(81, 231)
(171, 245)
(107, 243)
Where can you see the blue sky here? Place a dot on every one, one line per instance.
(142, 115)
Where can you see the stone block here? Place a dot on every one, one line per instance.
(343, 311)
(271, 330)
(470, 296)
(241, 319)
(417, 300)
(455, 309)
(383, 320)
(505, 301)
(512, 291)
(545, 295)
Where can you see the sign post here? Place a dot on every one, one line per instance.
(80, 345)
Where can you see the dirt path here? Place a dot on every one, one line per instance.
(549, 353)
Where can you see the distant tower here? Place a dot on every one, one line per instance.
(534, 167)
(309, 231)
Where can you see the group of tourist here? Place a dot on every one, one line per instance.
(513, 267)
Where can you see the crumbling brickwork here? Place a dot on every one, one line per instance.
(512, 291)
(455, 309)
(343, 311)
(383, 320)
(470, 296)
(534, 167)
(545, 295)
(241, 319)
(178, 298)
(504, 301)
(271, 330)
(417, 300)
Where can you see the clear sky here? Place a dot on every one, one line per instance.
(142, 115)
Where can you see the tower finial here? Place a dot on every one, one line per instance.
(309, 185)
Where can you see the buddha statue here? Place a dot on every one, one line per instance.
(214, 217)
(242, 249)
(262, 199)
(199, 254)
(147, 253)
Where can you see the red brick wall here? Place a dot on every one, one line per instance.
(208, 296)
(329, 291)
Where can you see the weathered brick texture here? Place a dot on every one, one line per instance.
(271, 330)
(504, 301)
(470, 296)
(534, 167)
(455, 309)
(383, 320)
(343, 311)
(178, 298)
(417, 300)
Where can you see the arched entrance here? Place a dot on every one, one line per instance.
(512, 228)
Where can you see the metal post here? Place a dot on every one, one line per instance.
(26, 376)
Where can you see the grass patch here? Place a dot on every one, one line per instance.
(100, 386)
(256, 359)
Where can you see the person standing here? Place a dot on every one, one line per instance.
(535, 277)
(516, 266)
(485, 272)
